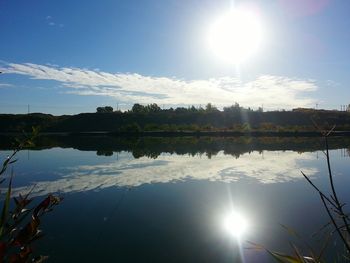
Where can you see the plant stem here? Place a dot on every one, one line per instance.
(339, 206)
(334, 223)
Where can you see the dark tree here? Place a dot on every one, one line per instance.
(153, 108)
(100, 109)
(138, 108)
(193, 109)
(210, 108)
(234, 108)
(104, 109)
(109, 109)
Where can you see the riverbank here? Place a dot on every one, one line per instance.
(191, 133)
(239, 122)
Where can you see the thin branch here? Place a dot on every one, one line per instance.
(318, 190)
(330, 131)
(341, 228)
(321, 229)
(339, 206)
(334, 223)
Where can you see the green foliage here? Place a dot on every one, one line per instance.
(233, 109)
(193, 109)
(210, 108)
(246, 127)
(106, 109)
(152, 127)
(138, 108)
(133, 128)
(231, 117)
(150, 108)
(267, 126)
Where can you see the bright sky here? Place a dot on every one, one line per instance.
(66, 57)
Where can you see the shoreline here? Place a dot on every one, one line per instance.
(189, 134)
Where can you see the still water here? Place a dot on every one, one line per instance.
(169, 199)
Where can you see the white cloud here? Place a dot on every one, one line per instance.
(272, 91)
(174, 168)
(5, 85)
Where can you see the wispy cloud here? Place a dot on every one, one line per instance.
(51, 22)
(176, 168)
(5, 85)
(272, 91)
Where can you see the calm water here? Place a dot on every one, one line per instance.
(166, 199)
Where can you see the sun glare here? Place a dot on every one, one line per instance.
(235, 224)
(235, 36)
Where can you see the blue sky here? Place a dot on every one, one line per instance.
(66, 57)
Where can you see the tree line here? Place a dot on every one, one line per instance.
(152, 118)
(153, 107)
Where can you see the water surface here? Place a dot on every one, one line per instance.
(165, 199)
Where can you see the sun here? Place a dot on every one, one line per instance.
(235, 36)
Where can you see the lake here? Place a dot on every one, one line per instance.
(167, 199)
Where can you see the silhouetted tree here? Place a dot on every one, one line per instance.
(104, 109)
(152, 108)
(109, 109)
(181, 109)
(193, 109)
(104, 153)
(233, 108)
(138, 108)
(210, 108)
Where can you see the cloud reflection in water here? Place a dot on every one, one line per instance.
(271, 167)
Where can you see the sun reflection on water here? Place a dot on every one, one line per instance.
(235, 224)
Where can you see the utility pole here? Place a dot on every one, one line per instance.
(28, 108)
